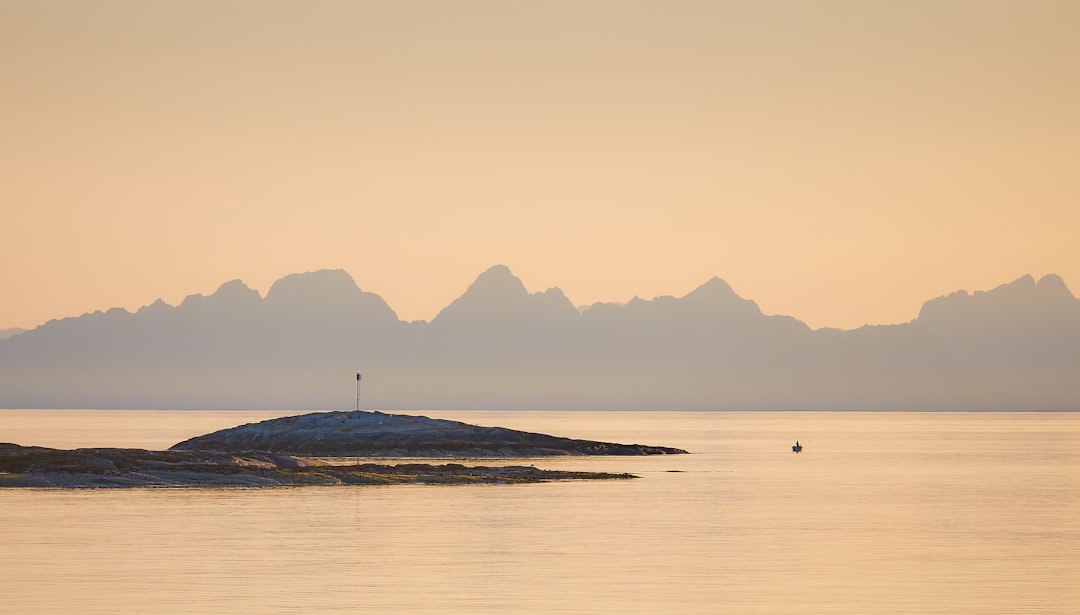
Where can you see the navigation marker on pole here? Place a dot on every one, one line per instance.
(358, 391)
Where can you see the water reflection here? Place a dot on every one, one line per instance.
(882, 513)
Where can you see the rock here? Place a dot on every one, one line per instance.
(29, 466)
(280, 452)
(375, 434)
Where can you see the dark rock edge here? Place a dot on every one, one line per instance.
(377, 434)
(286, 452)
(32, 466)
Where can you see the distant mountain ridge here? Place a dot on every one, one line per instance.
(498, 346)
(12, 332)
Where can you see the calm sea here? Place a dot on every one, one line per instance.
(880, 513)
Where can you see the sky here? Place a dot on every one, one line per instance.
(837, 161)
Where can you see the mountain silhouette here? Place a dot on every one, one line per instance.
(498, 299)
(330, 294)
(498, 346)
(12, 332)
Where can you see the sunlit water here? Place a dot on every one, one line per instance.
(881, 513)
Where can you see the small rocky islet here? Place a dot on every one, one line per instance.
(300, 450)
(377, 434)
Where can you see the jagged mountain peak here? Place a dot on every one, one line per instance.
(497, 294)
(326, 293)
(496, 289)
(1016, 346)
(498, 279)
(233, 291)
(322, 283)
(706, 302)
(714, 284)
(1021, 297)
(157, 307)
(235, 288)
(1052, 285)
(715, 292)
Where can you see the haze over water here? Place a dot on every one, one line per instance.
(881, 513)
(839, 162)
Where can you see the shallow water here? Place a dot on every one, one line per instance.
(881, 513)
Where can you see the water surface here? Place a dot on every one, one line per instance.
(881, 513)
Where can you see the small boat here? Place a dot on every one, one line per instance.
(797, 448)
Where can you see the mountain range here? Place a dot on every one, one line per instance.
(498, 346)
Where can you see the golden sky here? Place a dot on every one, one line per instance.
(837, 161)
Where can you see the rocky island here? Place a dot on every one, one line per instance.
(283, 452)
(33, 466)
(376, 434)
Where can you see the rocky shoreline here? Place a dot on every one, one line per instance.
(33, 466)
(286, 452)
